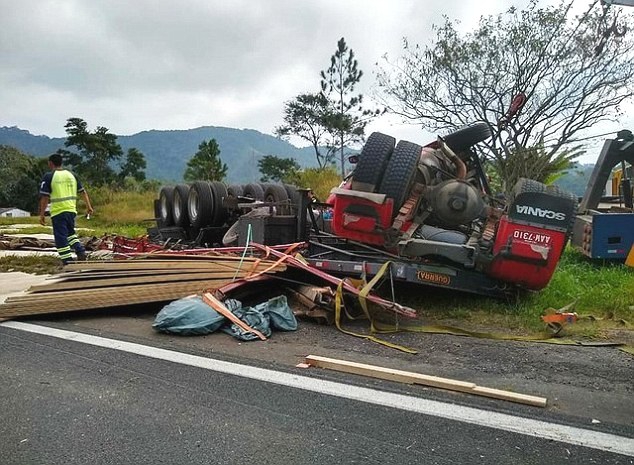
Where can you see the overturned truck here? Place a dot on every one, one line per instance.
(427, 210)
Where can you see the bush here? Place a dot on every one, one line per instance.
(319, 180)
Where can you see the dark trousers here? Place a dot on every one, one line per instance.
(65, 237)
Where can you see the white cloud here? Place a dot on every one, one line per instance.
(145, 64)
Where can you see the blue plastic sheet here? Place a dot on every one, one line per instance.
(192, 316)
(188, 317)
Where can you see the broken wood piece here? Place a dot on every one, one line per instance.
(417, 378)
(218, 306)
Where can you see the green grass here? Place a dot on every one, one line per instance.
(604, 291)
(31, 264)
(115, 212)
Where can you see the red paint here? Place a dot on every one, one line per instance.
(526, 255)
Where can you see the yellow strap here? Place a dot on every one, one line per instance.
(338, 305)
(383, 328)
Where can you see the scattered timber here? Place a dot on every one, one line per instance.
(115, 283)
(417, 378)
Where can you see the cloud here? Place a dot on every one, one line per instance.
(146, 64)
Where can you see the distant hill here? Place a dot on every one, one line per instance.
(167, 152)
(575, 180)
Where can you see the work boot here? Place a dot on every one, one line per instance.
(81, 257)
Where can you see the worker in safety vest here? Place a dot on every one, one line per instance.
(60, 187)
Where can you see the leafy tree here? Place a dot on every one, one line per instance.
(20, 175)
(206, 163)
(134, 165)
(96, 151)
(347, 119)
(572, 76)
(305, 117)
(275, 168)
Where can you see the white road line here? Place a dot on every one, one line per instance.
(536, 428)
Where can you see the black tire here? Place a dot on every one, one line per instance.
(221, 214)
(276, 193)
(400, 173)
(253, 191)
(179, 205)
(235, 190)
(200, 204)
(465, 138)
(166, 199)
(294, 197)
(566, 202)
(372, 162)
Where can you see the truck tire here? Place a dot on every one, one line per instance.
(276, 193)
(400, 173)
(166, 199)
(294, 197)
(200, 204)
(465, 138)
(221, 214)
(373, 160)
(253, 191)
(179, 205)
(235, 190)
(566, 202)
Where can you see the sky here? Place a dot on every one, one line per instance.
(135, 65)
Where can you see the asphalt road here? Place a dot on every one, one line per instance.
(70, 402)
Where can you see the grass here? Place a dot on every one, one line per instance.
(116, 212)
(31, 264)
(602, 295)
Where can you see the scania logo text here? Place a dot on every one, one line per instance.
(540, 212)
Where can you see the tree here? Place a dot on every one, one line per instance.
(20, 175)
(206, 164)
(277, 169)
(134, 165)
(96, 154)
(96, 151)
(573, 72)
(347, 119)
(305, 117)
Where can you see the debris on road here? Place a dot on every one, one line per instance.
(417, 378)
(193, 316)
(112, 283)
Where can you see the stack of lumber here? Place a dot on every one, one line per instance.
(115, 283)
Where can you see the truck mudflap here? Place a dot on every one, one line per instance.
(526, 254)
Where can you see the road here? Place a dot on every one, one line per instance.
(70, 396)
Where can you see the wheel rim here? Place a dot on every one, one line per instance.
(192, 204)
(164, 212)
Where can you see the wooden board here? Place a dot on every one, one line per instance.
(417, 378)
(86, 300)
(131, 280)
(170, 264)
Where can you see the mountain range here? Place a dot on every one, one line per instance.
(167, 151)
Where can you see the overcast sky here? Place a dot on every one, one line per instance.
(136, 65)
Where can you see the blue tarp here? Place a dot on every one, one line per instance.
(191, 316)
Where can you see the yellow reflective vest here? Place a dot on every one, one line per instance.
(63, 196)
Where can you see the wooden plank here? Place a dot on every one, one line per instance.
(114, 299)
(218, 306)
(88, 275)
(169, 264)
(94, 293)
(417, 378)
(128, 281)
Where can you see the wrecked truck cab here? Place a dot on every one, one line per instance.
(433, 203)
